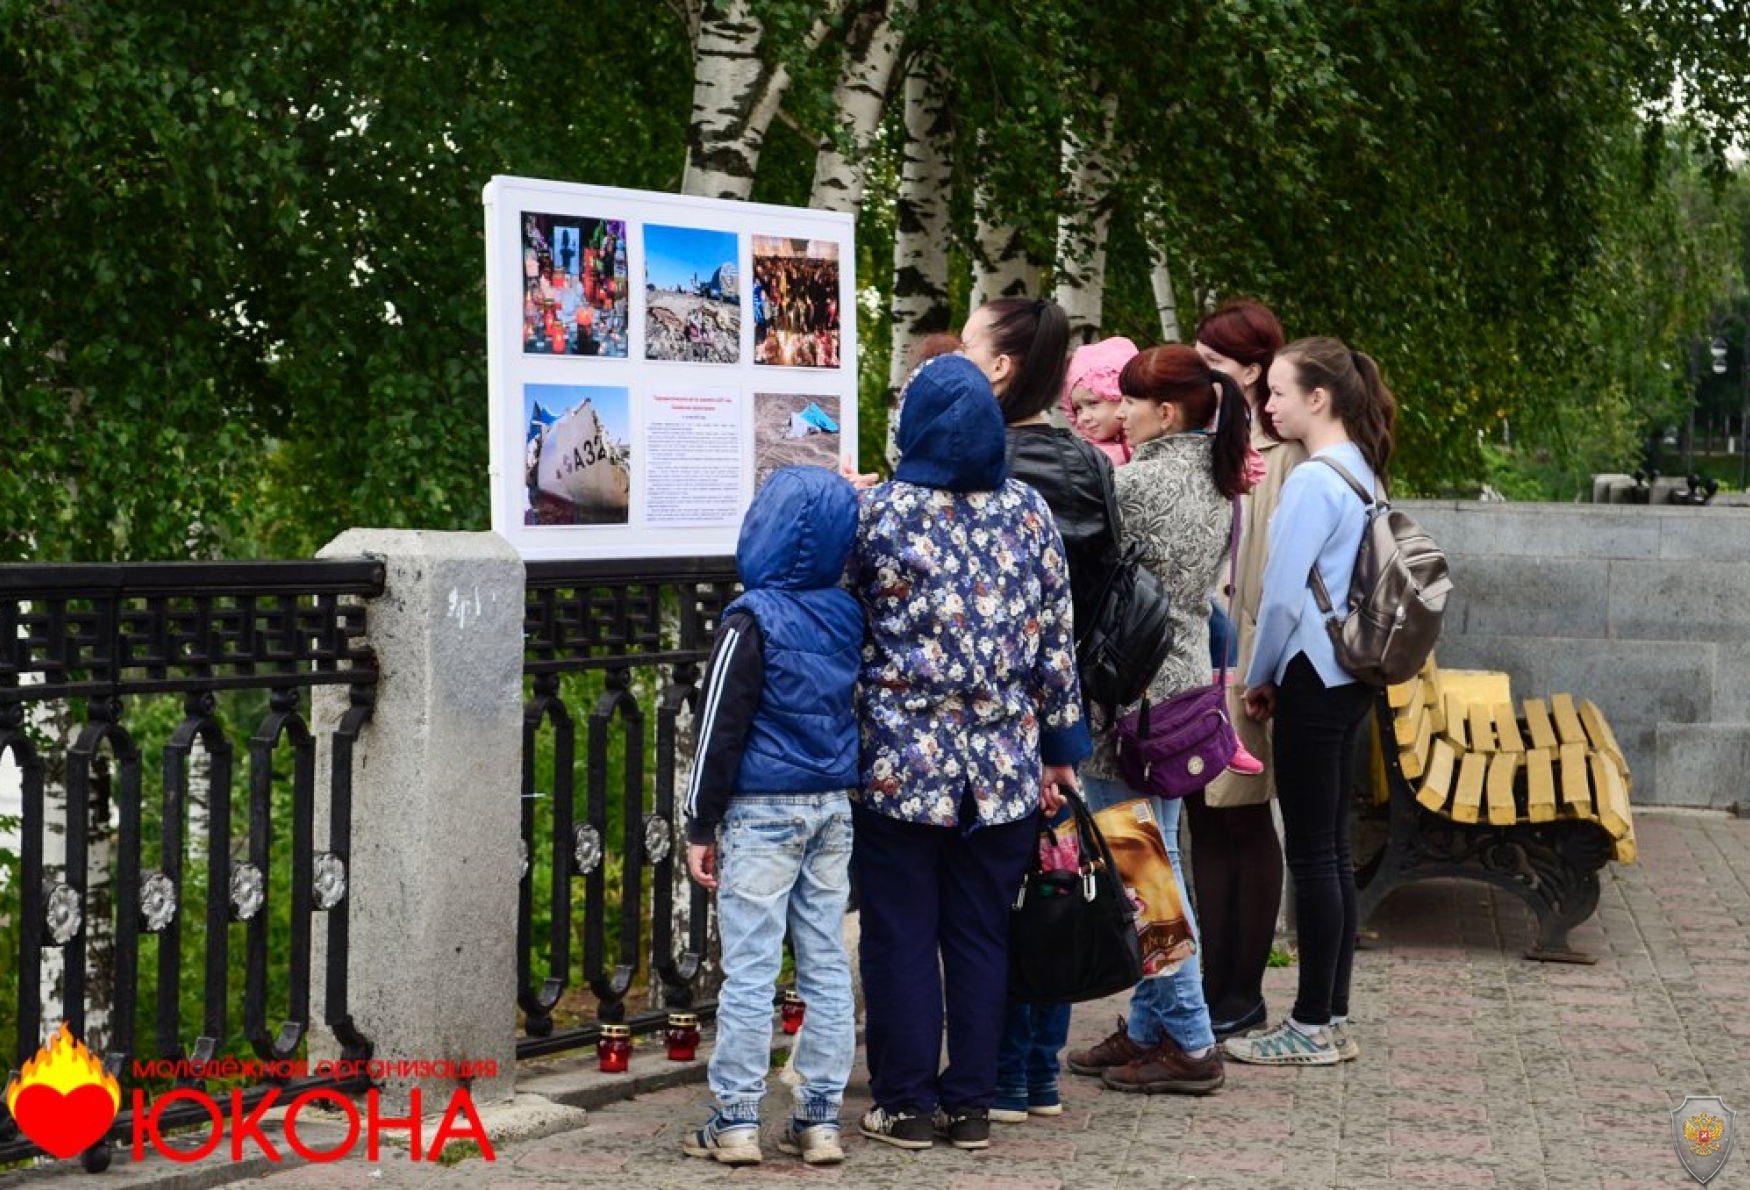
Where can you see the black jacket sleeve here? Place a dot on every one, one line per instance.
(734, 679)
(1076, 481)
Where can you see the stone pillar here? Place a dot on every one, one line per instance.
(435, 857)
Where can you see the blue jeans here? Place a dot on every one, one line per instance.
(783, 862)
(1171, 1004)
(1027, 1062)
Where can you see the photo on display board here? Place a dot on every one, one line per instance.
(577, 463)
(574, 285)
(692, 295)
(796, 302)
(791, 429)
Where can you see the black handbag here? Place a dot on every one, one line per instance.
(1072, 935)
(1127, 639)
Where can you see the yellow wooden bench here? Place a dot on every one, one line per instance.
(1530, 797)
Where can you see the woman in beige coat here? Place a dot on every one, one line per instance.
(1237, 857)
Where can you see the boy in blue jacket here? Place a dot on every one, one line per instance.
(769, 814)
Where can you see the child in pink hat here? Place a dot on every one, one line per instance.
(1091, 396)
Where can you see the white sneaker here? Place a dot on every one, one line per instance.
(1284, 1046)
(816, 1144)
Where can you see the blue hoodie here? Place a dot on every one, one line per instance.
(951, 433)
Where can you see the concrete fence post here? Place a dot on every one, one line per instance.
(435, 857)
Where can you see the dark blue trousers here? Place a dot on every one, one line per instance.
(935, 949)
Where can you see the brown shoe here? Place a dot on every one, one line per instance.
(1116, 1050)
(1167, 1069)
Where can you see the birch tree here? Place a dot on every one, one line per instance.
(1090, 193)
(922, 228)
(858, 103)
(738, 88)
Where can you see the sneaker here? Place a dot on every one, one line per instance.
(965, 1128)
(727, 1142)
(1245, 763)
(1166, 1068)
(1044, 1103)
(1009, 1109)
(815, 1143)
(1283, 1046)
(1347, 1050)
(1116, 1050)
(901, 1129)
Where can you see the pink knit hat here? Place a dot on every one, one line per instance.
(1095, 368)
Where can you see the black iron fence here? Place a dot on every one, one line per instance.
(644, 631)
(143, 872)
(80, 646)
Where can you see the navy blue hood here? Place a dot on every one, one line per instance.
(798, 531)
(951, 429)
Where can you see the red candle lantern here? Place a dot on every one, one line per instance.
(682, 1036)
(792, 1011)
(614, 1048)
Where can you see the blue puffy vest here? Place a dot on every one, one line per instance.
(804, 735)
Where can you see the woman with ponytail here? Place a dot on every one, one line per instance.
(1238, 873)
(1333, 402)
(1187, 425)
(1021, 344)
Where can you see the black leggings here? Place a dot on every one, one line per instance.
(1316, 729)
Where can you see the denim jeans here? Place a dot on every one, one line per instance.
(782, 862)
(1027, 1062)
(1171, 1004)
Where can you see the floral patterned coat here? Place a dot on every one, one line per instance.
(1169, 503)
(968, 679)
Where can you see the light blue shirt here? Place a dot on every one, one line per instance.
(1319, 518)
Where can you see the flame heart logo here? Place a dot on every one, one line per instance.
(64, 1100)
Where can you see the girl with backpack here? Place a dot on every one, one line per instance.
(1333, 402)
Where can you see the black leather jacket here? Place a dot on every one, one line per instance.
(1076, 481)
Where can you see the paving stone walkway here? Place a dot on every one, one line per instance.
(1478, 1068)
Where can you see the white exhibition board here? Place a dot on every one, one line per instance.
(653, 357)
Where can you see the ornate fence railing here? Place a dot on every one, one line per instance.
(80, 645)
(646, 628)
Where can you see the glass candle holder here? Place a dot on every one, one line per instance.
(614, 1048)
(791, 1012)
(682, 1036)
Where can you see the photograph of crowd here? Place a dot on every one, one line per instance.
(794, 429)
(577, 458)
(692, 295)
(796, 302)
(574, 285)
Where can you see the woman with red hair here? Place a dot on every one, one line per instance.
(1186, 424)
(1238, 875)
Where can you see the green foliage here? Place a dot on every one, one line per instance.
(247, 311)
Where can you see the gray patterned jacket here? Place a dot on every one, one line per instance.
(1169, 502)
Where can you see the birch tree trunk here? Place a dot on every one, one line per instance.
(859, 99)
(921, 229)
(1001, 264)
(1089, 180)
(1166, 304)
(736, 93)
